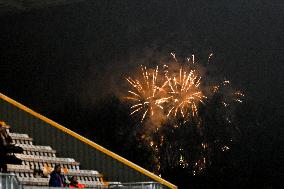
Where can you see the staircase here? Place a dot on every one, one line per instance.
(38, 161)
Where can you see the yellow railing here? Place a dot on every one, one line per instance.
(89, 142)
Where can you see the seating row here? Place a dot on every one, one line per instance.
(33, 181)
(19, 168)
(44, 182)
(28, 178)
(38, 162)
(21, 138)
(37, 150)
(84, 175)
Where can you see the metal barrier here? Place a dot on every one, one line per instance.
(137, 185)
(9, 181)
(134, 185)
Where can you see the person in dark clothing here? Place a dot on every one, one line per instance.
(56, 178)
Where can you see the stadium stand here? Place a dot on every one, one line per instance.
(36, 161)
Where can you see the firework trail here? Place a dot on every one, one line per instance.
(229, 95)
(185, 93)
(146, 94)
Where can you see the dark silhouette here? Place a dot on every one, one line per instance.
(56, 178)
(7, 149)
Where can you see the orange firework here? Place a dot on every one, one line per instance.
(185, 93)
(146, 94)
(175, 91)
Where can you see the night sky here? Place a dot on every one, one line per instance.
(53, 55)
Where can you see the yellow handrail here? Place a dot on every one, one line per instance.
(89, 142)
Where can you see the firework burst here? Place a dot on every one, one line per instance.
(175, 91)
(145, 94)
(175, 94)
(185, 93)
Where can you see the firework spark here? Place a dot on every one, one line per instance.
(229, 94)
(209, 57)
(185, 93)
(145, 93)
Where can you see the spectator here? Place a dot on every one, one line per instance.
(56, 178)
(74, 183)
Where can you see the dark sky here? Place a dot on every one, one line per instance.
(78, 52)
(55, 53)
